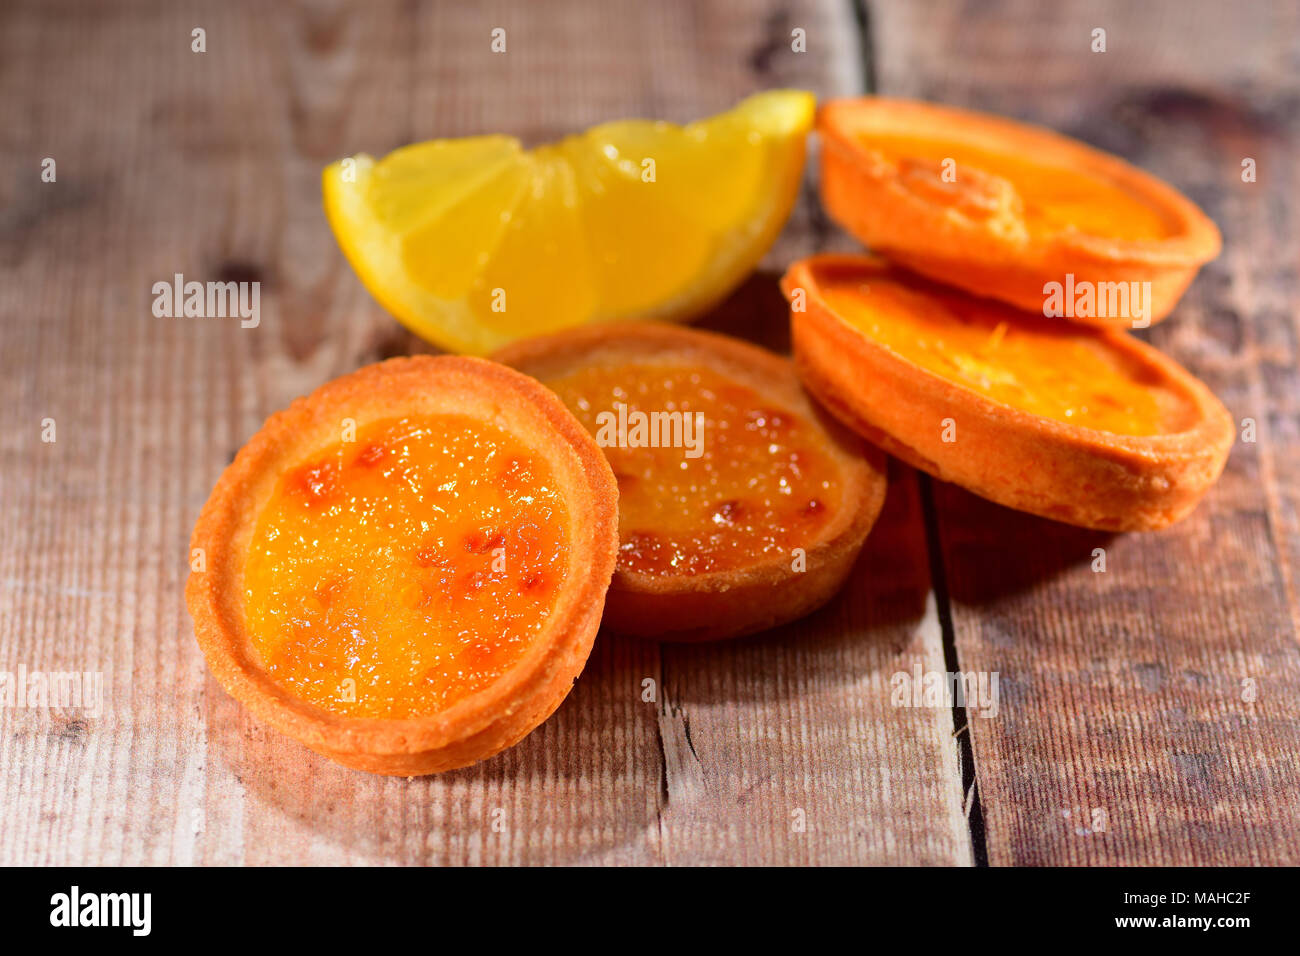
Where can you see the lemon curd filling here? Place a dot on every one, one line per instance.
(1055, 198)
(394, 575)
(759, 484)
(1042, 366)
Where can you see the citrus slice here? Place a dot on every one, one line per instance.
(473, 243)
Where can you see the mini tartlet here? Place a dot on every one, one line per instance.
(756, 523)
(1003, 209)
(1087, 426)
(405, 570)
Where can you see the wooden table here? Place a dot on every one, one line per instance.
(1148, 714)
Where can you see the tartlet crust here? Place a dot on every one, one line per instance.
(1080, 476)
(867, 194)
(490, 719)
(733, 603)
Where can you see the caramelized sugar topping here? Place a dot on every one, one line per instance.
(1044, 366)
(1046, 199)
(393, 575)
(760, 486)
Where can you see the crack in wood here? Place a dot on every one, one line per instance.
(960, 716)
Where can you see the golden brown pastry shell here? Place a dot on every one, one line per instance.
(1077, 475)
(734, 603)
(870, 196)
(500, 714)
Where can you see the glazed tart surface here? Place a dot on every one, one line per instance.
(760, 485)
(406, 570)
(1002, 208)
(1087, 426)
(1050, 196)
(418, 561)
(758, 476)
(1023, 361)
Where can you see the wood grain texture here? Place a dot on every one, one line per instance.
(1127, 733)
(1121, 692)
(783, 749)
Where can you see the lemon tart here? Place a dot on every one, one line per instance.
(405, 570)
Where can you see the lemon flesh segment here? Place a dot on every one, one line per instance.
(403, 189)
(679, 215)
(474, 243)
(446, 252)
(644, 254)
(386, 218)
(538, 278)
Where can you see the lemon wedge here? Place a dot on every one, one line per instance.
(473, 243)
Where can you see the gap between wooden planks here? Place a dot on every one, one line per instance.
(1127, 734)
(779, 750)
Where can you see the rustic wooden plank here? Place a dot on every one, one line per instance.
(1127, 733)
(207, 164)
(786, 748)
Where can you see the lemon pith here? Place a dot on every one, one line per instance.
(475, 242)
